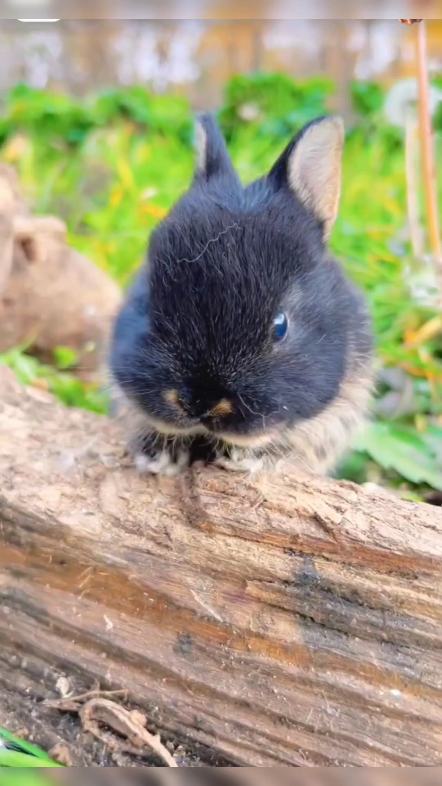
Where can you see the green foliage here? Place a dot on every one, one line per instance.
(129, 159)
(65, 386)
(61, 118)
(274, 104)
(163, 114)
(52, 115)
(18, 753)
(65, 357)
(368, 97)
(437, 116)
(401, 448)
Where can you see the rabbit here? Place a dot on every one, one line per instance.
(241, 342)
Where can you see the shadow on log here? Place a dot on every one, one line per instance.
(281, 621)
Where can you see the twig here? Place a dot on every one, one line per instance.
(127, 724)
(72, 703)
(93, 709)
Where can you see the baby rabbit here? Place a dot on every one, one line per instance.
(241, 341)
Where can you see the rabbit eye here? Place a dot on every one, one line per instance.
(280, 327)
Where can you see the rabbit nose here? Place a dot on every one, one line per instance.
(221, 409)
(194, 408)
(205, 409)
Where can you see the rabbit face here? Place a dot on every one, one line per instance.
(240, 325)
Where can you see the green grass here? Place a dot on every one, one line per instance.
(113, 170)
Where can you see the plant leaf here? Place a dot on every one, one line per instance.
(401, 450)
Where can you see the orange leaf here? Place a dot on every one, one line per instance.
(425, 333)
(154, 210)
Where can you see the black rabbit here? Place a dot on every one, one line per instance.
(241, 341)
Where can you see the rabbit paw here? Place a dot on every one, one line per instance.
(162, 463)
(157, 455)
(240, 461)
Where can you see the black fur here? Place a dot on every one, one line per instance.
(199, 317)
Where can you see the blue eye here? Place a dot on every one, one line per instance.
(280, 327)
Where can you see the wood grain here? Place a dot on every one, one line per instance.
(282, 621)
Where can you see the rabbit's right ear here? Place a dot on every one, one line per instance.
(213, 159)
(310, 167)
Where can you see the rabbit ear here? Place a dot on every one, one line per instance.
(212, 157)
(311, 168)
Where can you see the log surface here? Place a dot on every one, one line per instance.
(283, 620)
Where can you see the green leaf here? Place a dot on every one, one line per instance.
(401, 450)
(368, 97)
(65, 357)
(19, 753)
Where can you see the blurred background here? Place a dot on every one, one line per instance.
(96, 116)
(195, 58)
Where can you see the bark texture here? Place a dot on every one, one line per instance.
(284, 620)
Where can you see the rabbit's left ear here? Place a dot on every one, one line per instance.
(213, 159)
(311, 168)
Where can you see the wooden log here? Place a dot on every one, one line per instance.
(283, 620)
(6, 249)
(50, 294)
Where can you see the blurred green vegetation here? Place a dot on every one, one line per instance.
(113, 165)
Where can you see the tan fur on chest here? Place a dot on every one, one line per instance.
(318, 443)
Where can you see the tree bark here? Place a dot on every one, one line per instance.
(281, 620)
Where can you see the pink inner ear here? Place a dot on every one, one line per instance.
(314, 169)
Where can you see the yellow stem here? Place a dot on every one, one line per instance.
(427, 151)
